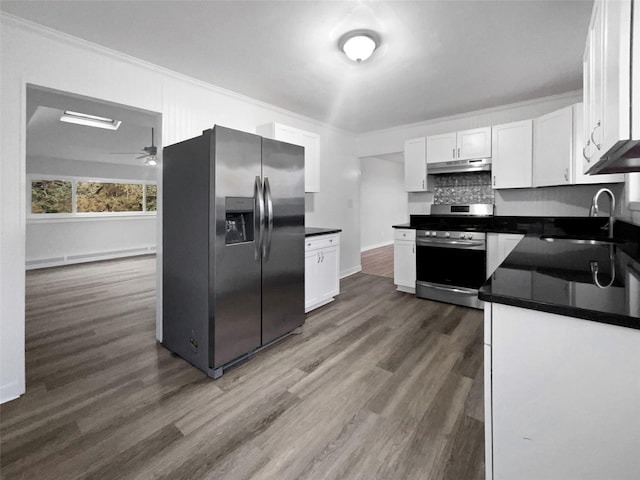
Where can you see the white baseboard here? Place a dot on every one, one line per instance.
(351, 271)
(10, 392)
(377, 245)
(405, 289)
(33, 263)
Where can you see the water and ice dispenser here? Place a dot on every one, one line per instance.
(239, 220)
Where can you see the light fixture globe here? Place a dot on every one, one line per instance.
(359, 45)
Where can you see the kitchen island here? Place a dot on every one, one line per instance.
(562, 359)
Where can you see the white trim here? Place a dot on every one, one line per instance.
(405, 289)
(10, 392)
(70, 259)
(321, 303)
(473, 113)
(350, 271)
(19, 22)
(48, 176)
(377, 245)
(88, 217)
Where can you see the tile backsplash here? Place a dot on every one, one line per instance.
(463, 188)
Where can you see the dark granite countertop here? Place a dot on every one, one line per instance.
(560, 277)
(404, 225)
(313, 231)
(511, 224)
(592, 282)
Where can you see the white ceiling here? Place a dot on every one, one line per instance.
(49, 138)
(437, 58)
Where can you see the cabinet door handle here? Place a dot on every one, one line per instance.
(494, 180)
(414, 248)
(422, 183)
(584, 153)
(566, 174)
(597, 145)
(318, 260)
(453, 155)
(322, 257)
(458, 152)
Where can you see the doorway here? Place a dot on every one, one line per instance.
(93, 211)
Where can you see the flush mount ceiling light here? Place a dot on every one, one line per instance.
(151, 161)
(90, 120)
(358, 45)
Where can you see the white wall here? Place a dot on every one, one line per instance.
(383, 201)
(40, 56)
(564, 201)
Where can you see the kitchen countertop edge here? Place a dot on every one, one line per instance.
(580, 313)
(314, 231)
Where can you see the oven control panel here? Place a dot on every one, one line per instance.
(451, 235)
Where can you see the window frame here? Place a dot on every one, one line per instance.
(75, 215)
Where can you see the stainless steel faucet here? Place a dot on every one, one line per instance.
(593, 211)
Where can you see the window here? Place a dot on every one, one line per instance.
(51, 196)
(108, 197)
(151, 196)
(72, 197)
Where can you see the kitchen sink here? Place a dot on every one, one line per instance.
(580, 240)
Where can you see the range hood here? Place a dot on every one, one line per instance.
(623, 157)
(459, 166)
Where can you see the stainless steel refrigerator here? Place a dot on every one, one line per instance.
(233, 246)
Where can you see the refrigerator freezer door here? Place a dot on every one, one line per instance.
(283, 252)
(234, 287)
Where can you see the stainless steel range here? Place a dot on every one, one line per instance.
(451, 254)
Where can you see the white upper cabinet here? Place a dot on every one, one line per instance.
(474, 143)
(592, 96)
(415, 165)
(609, 116)
(309, 140)
(463, 145)
(512, 155)
(311, 143)
(580, 164)
(553, 148)
(441, 148)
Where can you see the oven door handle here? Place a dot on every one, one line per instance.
(466, 291)
(451, 243)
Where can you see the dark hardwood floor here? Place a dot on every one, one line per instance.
(378, 261)
(380, 385)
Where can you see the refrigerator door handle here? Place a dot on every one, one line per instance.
(259, 218)
(266, 247)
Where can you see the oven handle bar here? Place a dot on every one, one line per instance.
(449, 243)
(466, 291)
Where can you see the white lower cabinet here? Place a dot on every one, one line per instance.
(563, 397)
(321, 270)
(404, 260)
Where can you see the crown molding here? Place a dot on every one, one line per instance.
(574, 94)
(56, 35)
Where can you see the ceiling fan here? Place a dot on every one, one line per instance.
(148, 153)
